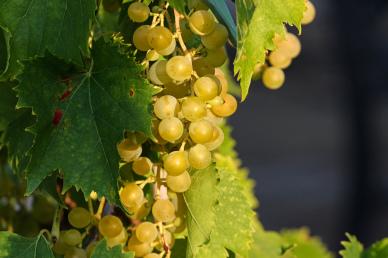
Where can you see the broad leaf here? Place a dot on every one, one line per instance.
(179, 249)
(4, 47)
(60, 26)
(179, 5)
(7, 104)
(377, 250)
(81, 116)
(266, 244)
(15, 246)
(103, 251)
(353, 248)
(258, 22)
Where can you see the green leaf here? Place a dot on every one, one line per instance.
(103, 251)
(4, 46)
(179, 5)
(60, 26)
(377, 250)
(257, 24)
(179, 249)
(97, 107)
(15, 246)
(266, 244)
(7, 104)
(353, 248)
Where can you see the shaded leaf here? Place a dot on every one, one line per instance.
(353, 248)
(103, 251)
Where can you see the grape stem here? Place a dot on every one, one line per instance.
(55, 229)
(177, 16)
(100, 208)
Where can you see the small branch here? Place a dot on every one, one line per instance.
(56, 227)
(178, 31)
(100, 208)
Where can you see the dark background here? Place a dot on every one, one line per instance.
(318, 148)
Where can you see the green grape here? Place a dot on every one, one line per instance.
(142, 166)
(179, 183)
(215, 120)
(110, 226)
(159, 38)
(223, 82)
(193, 109)
(163, 211)
(206, 88)
(217, 140)
(128, 150)
(146, 232)
(202, 22)
(178, 91)
(141, 212)
(199, 157)
(226, 109)
(280, 60)
(202, 67)
(118, 240)
(168, 50)
(152, 55)
(217, 38)
(140, 249)
(158, 74)
(152, 255)
(216, 57)
(75, 253)
(60, 247)
(111, 5)
(79, 217)
(197, 5)
(201, 131)
(90, 248)
(258, 71)
(171, 129)
(132, 196)
(176, 163)
(138, 12)
(179, 68)
(309, 13)
(140, 38)
(166, 106)
(273, 78)
(72, 237)
(155, 132)
(289, 45)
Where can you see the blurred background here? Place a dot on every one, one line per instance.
(318, 147)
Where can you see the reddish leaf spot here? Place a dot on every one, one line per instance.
(65, 95)
(57, 116)
(131, 92)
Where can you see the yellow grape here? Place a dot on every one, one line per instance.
(140, 249)
(171, 129)
(119, 239)
(193, 109)
(110, 226)
(180, 183)
(75, 253)
(142, 166)
(217, 140)
(179, 68)
(202, 67)
(140, 38)
(199, 157)
(79, 217)
(206, 87)
(279, 59)
(202, 22)
(226, 109)
(72, 237)
(159, 38)
(141, 212)
(163, 211)
(201, 131)
(176, 163)
(309, 13)
(152, 255)
(289, 45)
(152, 55)
(223, 82)
(158, 74)
(178, 91)
(166, 106)
(168, 50)
(217, 38)
(273, 78)
(138, 12)
(132, 196)
(128, 150)
(215, 120)
(146, 232)
(216, 57)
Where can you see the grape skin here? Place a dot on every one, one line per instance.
(146, 232)
(138, 12)
(180, 183)
(176, 163)
(132, 196)
(199, 157)
(163, 211)
(79, 217)
(202, 22)
(110, 226)
(273, 78)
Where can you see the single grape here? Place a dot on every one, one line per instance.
(179, 68)
(168, 238)
(90, 248)
(309, 13)
(152, 55)
(75, 253)
(128, 150)
(152, 255)
(119, 239)
(217, 38)
(163, 211)
(215, 120)
(179, 224)
(171, 129)
(155, 132)
(79, 217)
(202, 67)
(186, 32)
(176, 163)
(179, 183)
(223, 82)
(146, 232)
(110, 226)
(72, 237)
(206, 88)
(142, 166)
(178, 91)
(199, 157)
(202, 22)
(138, 12)
(279, 59)
(168, 50)
(166, 106)
(273, 78)
(193, 109)
(197, 5)
(226, 109)
(141, 212)
(216, 57)
(158, 74)
(201, 131)
(111, 6)
(140, 249)
(258, 71)
(217, 140)
(132, 196)
(159, 38)
(140, 38)
(289, 45)
(60, 247)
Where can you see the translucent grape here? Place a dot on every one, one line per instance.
(158, 74)
(138, 12)
(72, 237)
(152, 55)
(178, 91)
(166, 106)
(201, 131)
(258, 71)
(280, 60)
(179, 183)
(273, 78)
(110, 226)
(217, 140)
(79, 217)
(197, 5)
(176, 163)
(163, 211)
(226, 109)
(111, 5)
(141, 212)
(140, 249)
(128, 150)
(75, 253)
(199, 157)
(206, 88)
(118, 240)
(202, 67)
(216, 57)
(60, 247)
(193, 109)
(140, 38)
(202, 22)
(217, 38)
(131, 196)
(152, 255)
(179, 68)
(223, 82)
(168, 50)
(142, 166)
(159, 38)
(146, 232)
(290, 45)
(309, 13)
(171, 129)
(215, 120)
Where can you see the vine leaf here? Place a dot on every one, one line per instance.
(179, 5)
(257, 24)
(103, 251)
(81, 116)
(378, 250)
(31, 24)
(15, 246)
(353, 248)
(267, 244)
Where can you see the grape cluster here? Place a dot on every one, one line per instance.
(287, 48)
